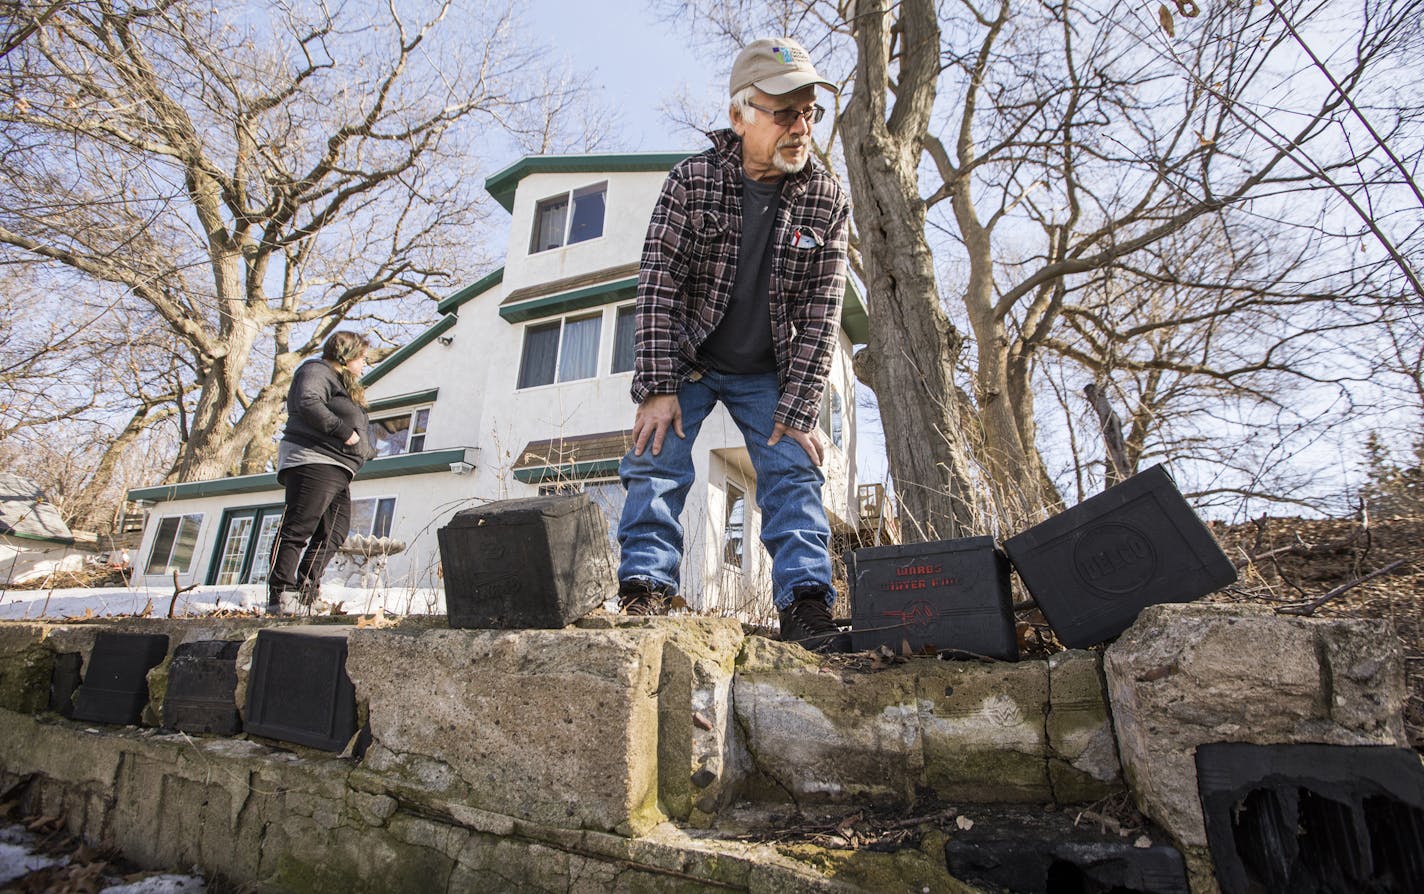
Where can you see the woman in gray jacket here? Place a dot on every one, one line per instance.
(325, 443)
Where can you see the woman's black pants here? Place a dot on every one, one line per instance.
(315, 522)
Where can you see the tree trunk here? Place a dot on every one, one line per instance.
(1014, 478)
(909, 362)
(1119, 468)
(95, 509)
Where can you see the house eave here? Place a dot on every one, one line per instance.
(502, 185)
(471, 291)
(384, 467)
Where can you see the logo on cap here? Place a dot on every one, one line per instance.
(783, 55)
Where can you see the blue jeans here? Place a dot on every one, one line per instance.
(794, 527)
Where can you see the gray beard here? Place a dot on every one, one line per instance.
(787, 167)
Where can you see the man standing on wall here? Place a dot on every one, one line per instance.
(739, 301)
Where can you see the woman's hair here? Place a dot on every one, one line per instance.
(340, 349)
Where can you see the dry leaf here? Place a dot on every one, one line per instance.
(905, 649)
(964, 823)
(701, 722)
(147, 609)
(378, 620)
(1165, 17)
(1105, 823)
(1142, 841)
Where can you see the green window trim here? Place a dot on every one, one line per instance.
(401, 401)
(567, 471)
(567, 302)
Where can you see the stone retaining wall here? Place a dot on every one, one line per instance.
(607, 755)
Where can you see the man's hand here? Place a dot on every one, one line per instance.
(809, 441)
(353, 439)
(655, 415)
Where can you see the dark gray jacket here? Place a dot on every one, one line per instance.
(321, 415)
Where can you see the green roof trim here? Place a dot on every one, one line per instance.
(854, 319)
(553, 305)
(60, 541)
(383, 467)
(405, 353)
(398, 401)
(567, 471)
(502, 184)
(473, 290)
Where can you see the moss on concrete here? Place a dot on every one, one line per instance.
(157, 691)
(762, 654)
(912, 870)
(25, 672)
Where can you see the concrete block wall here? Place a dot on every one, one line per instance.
(557, 757)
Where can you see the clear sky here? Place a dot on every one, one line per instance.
(640, 64)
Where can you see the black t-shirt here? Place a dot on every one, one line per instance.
(741, 343)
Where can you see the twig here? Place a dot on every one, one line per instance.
(1301, 548)
(1310, 607)
(178, 592)
(948, 813)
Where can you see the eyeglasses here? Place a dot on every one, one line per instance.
(788, 117)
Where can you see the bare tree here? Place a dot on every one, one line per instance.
(1035, 146)
(254, 177)
(1209, 348)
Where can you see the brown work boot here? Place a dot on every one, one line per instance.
(638, 597)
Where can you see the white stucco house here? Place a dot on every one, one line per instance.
(520, 388)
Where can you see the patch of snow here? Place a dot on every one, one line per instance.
(161, 884)
(72, 603)
(17, 860)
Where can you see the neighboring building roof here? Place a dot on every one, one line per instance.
(24, 514)
(503, 184)
(569, 459)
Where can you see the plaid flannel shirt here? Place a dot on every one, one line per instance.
(689, 262)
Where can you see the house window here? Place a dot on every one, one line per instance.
(563, 351)
(833, 415)
(623, 354)
(605, 493)
(734, 527)
(403, 433)
(555, 226)
(173, 544)
(244, 551)
(372, 517)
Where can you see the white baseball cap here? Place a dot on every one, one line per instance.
(775, 65)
